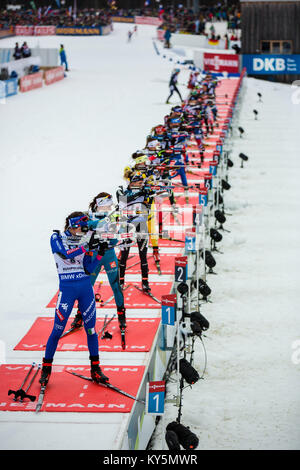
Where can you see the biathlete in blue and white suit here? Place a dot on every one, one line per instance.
(75, 263)
(102, 218)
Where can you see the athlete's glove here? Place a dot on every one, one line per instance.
(102, 248)
(94, 242)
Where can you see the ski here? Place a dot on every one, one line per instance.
(112, 296)
(147, 293)
(107, 385)
(157, 264)
(40, 399)
(70, 331)
(132, 265)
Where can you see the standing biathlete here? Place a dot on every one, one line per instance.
(173, 85)
(102, 218)
(134, 200)
(75, 263)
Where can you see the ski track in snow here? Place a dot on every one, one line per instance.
(61, 145)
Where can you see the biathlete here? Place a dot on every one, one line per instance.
(75, 263)
(134, 200)
(103, 217)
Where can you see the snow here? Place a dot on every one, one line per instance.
(62, 144)
(249, 398)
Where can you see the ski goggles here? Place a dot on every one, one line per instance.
(80, 221)
(104, 201)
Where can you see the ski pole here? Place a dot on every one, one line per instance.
(106, 323)
(31, 397)
(20, 392)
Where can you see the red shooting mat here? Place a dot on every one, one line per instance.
(167, 264)
(66, 392)
(178, 241)
(133, 298)
(140, 333)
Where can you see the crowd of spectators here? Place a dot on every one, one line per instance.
(180, 19)
(63, 17)
(186, 21)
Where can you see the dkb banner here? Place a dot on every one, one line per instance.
(271, 64)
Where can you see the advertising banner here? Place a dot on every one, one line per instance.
(78, 31)
(35, 30)
(44, 30)
(54, 75)
(6, 32)
(122, 19)
(148, 20)
(8, 88)
(271, 64)
(31, 82)
(24, 30)
(215, 62)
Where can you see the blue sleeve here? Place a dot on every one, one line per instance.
(57, 247)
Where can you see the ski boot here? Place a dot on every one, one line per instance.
(121, 282)
(122, 317)
(46, 371)
(96, 372)
(145, 286)
(77, 322)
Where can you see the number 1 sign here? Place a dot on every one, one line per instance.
(168, 309)
(155, 398)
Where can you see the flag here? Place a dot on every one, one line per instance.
(213, 42)
(48, 10)
(75, 10)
